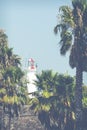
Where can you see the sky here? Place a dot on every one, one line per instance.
(29, 25)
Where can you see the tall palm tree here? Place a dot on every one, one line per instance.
(73, 33)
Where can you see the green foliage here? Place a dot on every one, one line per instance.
(72, 27)
(55, 101)
(13, 89)
(55, 98)
(84, 100)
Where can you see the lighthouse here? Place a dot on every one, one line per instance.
(31, 77)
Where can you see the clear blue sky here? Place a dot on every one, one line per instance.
(29, 25)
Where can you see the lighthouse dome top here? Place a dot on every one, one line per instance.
(31, 65)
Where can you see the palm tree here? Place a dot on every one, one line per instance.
(73, 33)
(11, 79)
(54, 99)
(46, 82)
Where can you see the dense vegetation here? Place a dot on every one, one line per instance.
(12, 87)
(55, 101)
(73, 33)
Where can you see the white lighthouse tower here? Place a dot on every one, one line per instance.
(31, 77)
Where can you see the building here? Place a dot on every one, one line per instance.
(31, 77)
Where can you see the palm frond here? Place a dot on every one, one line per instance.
(67, 16)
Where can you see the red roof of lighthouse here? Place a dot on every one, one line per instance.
(31, 60)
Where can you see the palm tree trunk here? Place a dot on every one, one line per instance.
(9, 125)
(78, 97)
